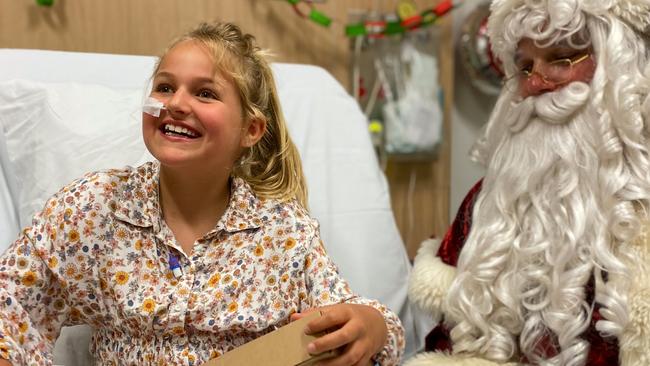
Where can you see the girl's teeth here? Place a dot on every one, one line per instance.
(179, 129)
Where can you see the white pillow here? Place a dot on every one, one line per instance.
(59, 131)
(8, 212)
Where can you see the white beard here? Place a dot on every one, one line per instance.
(535, 226)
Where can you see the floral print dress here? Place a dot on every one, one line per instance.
(99, 253)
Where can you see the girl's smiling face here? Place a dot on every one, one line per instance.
(203, 124)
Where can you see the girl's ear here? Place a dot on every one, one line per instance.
(253, 132)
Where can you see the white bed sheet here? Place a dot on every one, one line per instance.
(348, 192)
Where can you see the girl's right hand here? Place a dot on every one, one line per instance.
(358, 330)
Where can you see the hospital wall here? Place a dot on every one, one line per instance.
(469, 114)
(144, 27)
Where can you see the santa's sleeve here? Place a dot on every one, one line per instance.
(434, 270)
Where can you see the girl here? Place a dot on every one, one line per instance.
(209, 247)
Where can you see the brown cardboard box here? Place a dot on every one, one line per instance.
(286, 346)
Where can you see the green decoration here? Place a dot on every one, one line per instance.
(394, 28)
(355, 30)
(320, 18)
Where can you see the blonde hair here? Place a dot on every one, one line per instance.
(272, 166)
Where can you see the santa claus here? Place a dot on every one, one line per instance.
(548, 259)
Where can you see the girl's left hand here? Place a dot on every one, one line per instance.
(358, 330)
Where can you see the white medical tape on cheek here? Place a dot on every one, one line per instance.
(153, 106)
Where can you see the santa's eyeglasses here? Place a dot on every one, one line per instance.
(555, 73)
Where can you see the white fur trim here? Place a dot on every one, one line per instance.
(498, 13)
(430, 279)
(634, 342)
(444, 359)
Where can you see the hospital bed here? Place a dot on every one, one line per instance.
(63, 114)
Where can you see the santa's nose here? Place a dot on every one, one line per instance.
(535, 85)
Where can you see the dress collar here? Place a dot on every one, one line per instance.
(244, 208)
(135, 197)
(136, 201)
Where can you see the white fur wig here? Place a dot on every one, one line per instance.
(560, 14)
(560, 199)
